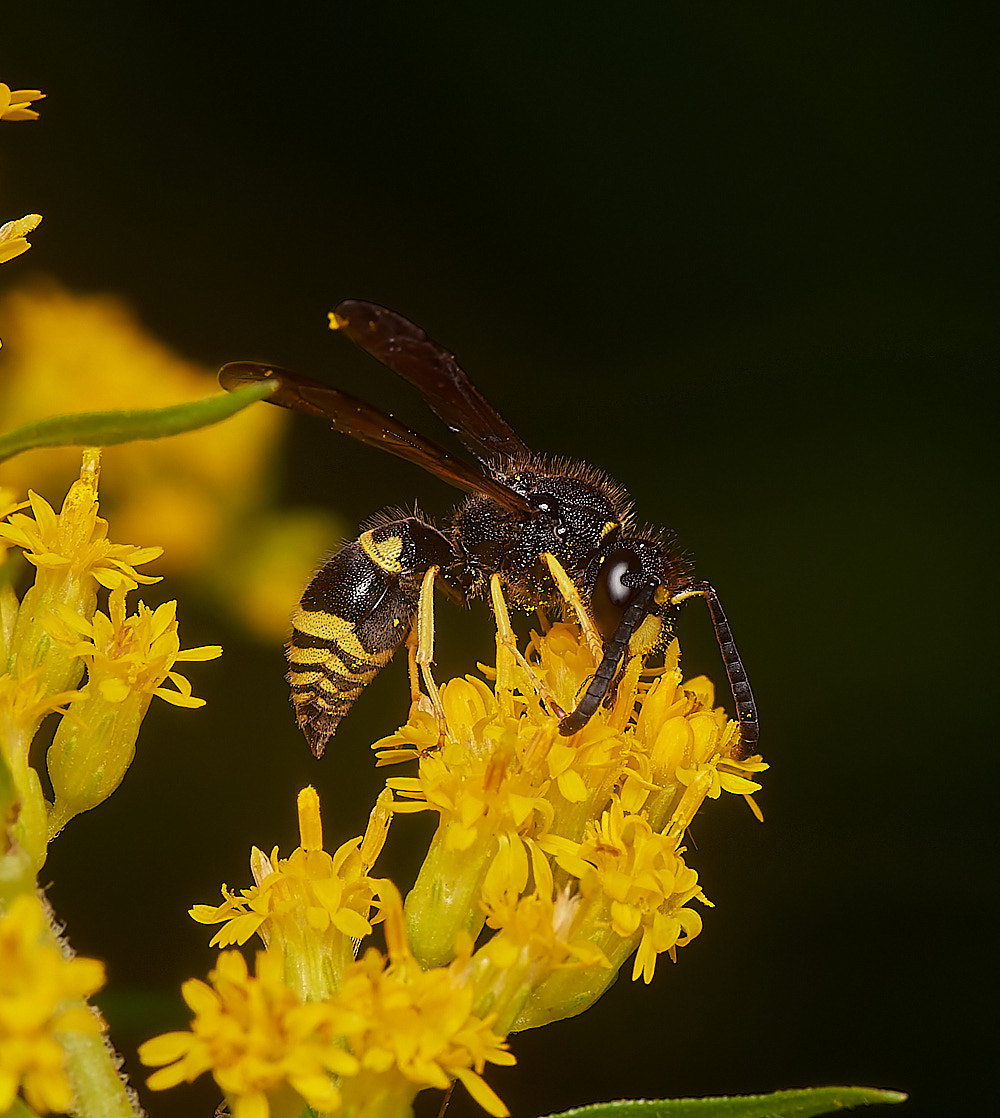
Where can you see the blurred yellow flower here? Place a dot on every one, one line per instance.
(14, 236)
(204, 495)
(40, 992)
(269, 1052)
(66, 353)
(15, 103)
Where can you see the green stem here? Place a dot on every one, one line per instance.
(105, 428)
(91, 1063)
(97, 1087)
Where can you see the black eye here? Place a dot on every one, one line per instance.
(611, 594)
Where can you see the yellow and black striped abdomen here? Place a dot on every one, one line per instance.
(353, 616)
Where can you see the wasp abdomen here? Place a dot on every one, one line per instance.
(353, 616)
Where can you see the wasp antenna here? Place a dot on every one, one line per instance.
(746, 708)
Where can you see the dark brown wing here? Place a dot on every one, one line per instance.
(367, 424)
(434, 372)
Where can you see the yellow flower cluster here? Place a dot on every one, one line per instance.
(99, 671)
(526, 813)
(55, 634)
(40, 1001)
(554, 861)
(382, 1025)
(15, 104)
(311, 907)
(267, 1050)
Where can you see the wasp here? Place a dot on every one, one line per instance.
(544, 530)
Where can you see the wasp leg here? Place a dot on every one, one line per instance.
(413, 669)
(607, 670)
(746, 708)
(507, 642)
(567, 588)
(424, 655)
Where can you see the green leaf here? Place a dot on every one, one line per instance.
(105, 428)
(803, 1103)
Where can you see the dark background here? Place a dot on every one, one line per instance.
(741, 255)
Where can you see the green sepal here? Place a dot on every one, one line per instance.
(105, 428)
(17, 868)
(443, 902)
(804, 1103)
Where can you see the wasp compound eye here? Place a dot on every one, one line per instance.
(612, 592)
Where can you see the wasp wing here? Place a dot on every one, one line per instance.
(368, 424)
(436, 375)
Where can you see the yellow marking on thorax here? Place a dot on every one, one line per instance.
(383, 553)
(609, 526)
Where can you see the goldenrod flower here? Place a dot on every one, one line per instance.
(414, 1028)
(308, 908)
(74, 543)
(40, 994)
(54, 633)
(640, 883)
(24, 701)
(72, 556)
(571, 848)
(391, 1030)
(539, 934)
(132, 654)
(269, 1052)
(128, 659)
(14, 103)
(14, 236)
(504, 772)
(685, 752)
(566, 854)
(8, 504)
